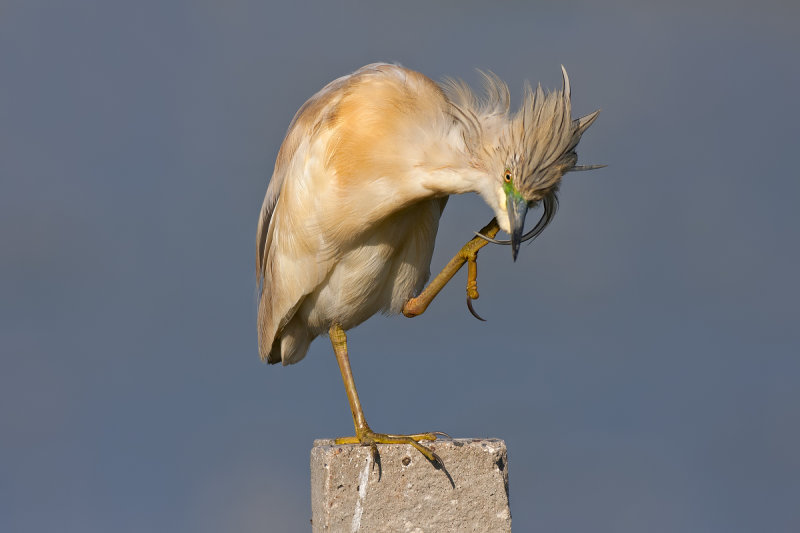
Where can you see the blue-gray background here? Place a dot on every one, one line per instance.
(640, 359)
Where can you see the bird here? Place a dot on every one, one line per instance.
(349, 219)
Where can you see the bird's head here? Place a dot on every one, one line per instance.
(523, 156)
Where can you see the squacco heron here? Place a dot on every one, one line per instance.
(348, 223)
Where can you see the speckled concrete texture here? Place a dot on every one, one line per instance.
(350, 492)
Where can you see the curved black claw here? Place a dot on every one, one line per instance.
(376, 460)
(442, 433)
(437, 463)
(472, 310)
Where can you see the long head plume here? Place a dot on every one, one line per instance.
(543, 137)
(530, 150)
(537, 143)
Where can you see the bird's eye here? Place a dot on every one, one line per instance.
(507, 177)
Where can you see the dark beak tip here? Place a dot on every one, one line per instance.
(517, 207)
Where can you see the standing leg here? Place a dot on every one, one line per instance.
(364, 435)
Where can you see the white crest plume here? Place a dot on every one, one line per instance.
(537, 143)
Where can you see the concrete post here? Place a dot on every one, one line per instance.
(471, 495)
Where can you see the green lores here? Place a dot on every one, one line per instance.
(516, 207)
(511, 191)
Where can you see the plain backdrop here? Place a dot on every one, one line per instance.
(641, 358)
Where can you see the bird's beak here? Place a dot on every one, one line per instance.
(517, 208)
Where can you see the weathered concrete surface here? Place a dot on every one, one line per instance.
(411, 496)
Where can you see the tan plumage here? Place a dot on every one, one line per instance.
(349, 220)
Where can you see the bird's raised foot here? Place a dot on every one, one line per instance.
(468, 254)
(472, 284)
(372, 439)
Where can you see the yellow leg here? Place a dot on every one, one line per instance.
(364, 435)
(467, 254)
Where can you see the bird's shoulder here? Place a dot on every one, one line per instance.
(378, 101)
(345, 146)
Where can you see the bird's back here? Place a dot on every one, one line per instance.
(345, 229)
